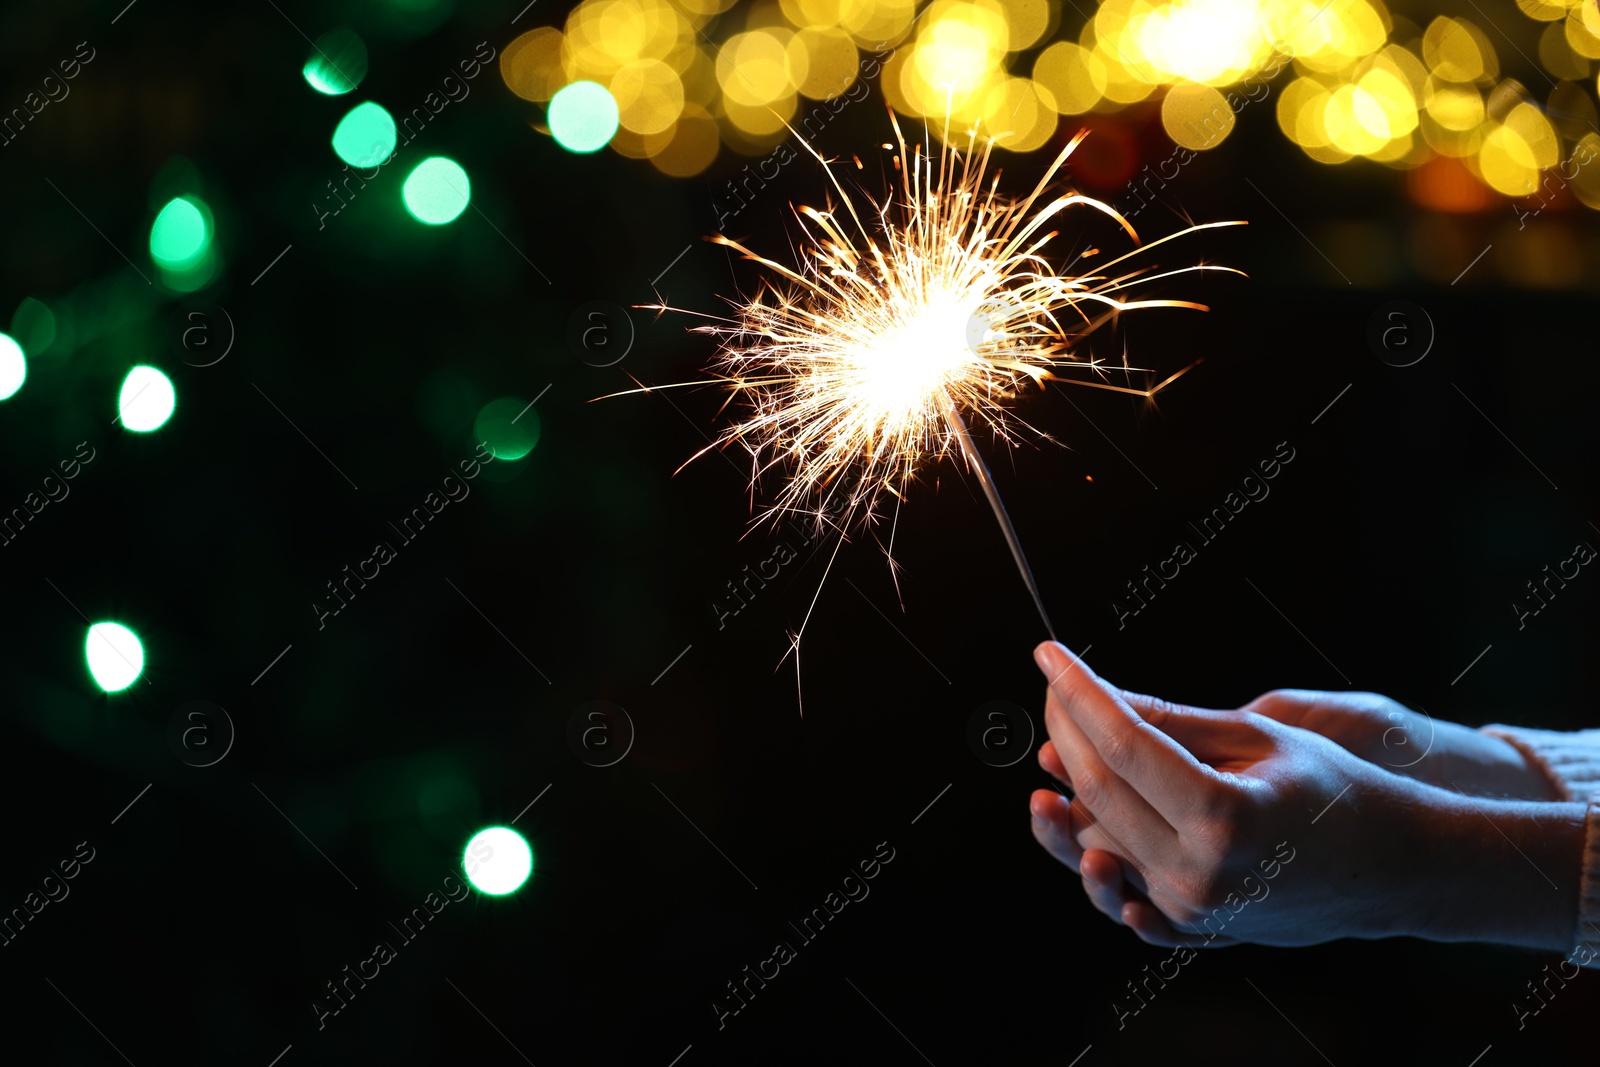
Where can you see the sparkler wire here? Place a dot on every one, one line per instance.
(958, 430)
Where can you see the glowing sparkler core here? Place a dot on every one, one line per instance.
(859, 365)
(903, 370)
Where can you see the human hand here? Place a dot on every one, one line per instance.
(1385, 732)
(1183, 816)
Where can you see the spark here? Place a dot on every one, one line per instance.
(905, 318)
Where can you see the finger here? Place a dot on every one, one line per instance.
(1051, 762)
(1092, 837)
(1104, 885)
(1137, 832)
(1209, 735)
(1067, 832)
(1154, 928)
(1160, 769)
(1288, 706)
(1152, 708)
(1052, 828)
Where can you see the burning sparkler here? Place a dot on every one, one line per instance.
(860, 362)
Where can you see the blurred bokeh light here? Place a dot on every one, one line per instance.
(1350, 81)
(584, 116)
(13, 366)
(437, 191)
(497, 861)
(337, 63)
(115, 655)
(509, 426)
(365, 137)
(146, 400)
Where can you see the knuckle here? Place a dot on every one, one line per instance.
(1272, 700)
(1092, 787)
(1258, 722)
(1117, 751)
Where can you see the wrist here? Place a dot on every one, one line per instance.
(1486, 764)
(1502, 871)
(1543, 781)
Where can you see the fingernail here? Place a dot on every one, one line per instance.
(1039, 824)
(1048, 657)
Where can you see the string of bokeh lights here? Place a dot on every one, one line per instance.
(684, 79)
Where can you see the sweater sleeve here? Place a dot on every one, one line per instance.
(1572, 763)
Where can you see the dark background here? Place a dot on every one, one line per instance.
(207, 922)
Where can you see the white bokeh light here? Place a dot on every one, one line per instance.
(146, 400)
(115, 655)
(13, 366)
(497, 861)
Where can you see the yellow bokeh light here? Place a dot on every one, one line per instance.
(1403, 64)
(1396, 114)
(693, 145)
(811, 14)
(1016, 117)
(1533, 130)
(1350, 116)
(960, 51)
(1447, 142)
(1451, 50)
(1028, 20)
(1583, 30)
(877, 24)
(1557, 55)
(640, 145)
(1213, 41)
(531, 65)
(759, 122)
(705, 8)
(1454, 107)
(1400, 152)
(603, 36)
(1196, 116)
(1327, 40)
(828, 60)
(1571, 111)
(754, 69)
(1073, 76)
(1299, 112)
(699, 78)
(649, 96)
(1584, 166)
(1514, 151)
(1543, 10)
(599, 41)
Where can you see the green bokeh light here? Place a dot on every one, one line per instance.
(497, 861)
(437, 191)
(365, 137)
(195, 277)
(337, 63)
(13, 367)
(509, 426)
(34, 326)
(583, 117)
(181, 234)
(115, 655)
(147, 399)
